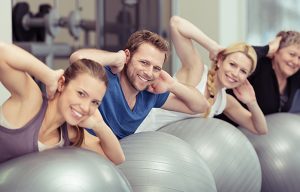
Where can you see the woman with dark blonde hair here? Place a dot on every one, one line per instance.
(276, 79)
(229, 70)
(30, 122)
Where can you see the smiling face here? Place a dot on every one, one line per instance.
(144, 66)
(286, 60)
(80, 98)
(233, 70)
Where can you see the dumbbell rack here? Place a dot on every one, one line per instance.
(36, 32)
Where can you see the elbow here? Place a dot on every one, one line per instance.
(202, 108)
(75, 56)
(263, 132)
(174, 21)
(120, 159)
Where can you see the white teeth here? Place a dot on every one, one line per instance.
(291, 65)
(77, 113)
(231, 79)
(143, 79)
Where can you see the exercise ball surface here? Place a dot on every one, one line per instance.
(227, 152)
(62, 170)
(278, 152)
(159, 162)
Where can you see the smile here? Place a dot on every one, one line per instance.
(76, 114)
(143, 79)
(230, 79)
(291, 65)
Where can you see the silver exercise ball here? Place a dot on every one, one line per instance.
(62, 170)
(278, 152)
(227, 152)
(159, 162)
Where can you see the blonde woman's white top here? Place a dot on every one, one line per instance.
(158, 117)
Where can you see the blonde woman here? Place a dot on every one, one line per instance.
(277, 76)
(230, 69)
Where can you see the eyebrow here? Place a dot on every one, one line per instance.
(243, 68)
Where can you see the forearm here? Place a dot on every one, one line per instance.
(19, 59)
(258, 118)
(109, 143)
(190, 31)
(191, 97)
(105, 58)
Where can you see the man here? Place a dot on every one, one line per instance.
(141, 83)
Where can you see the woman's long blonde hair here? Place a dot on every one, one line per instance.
(242, 47)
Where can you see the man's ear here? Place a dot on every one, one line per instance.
(61, 83)
(127, 53)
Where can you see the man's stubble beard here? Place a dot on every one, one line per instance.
(131, 80)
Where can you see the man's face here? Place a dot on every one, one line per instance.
(144, 66)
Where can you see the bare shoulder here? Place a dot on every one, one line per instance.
(19, 112)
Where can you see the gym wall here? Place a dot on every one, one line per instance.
(5, 36)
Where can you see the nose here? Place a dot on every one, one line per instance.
(148, 72)
(235, 72)
(85, 106)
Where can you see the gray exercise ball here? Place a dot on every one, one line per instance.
(278, 152)
(159, 162)
(227, 152)
(62, 170)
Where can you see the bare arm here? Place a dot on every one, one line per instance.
(115, 60)
(106, 143)
(254, 119)
(183, 98)
(183, 33)
(16, 64)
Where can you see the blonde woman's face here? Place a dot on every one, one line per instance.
(234, 70)
(287, 60)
